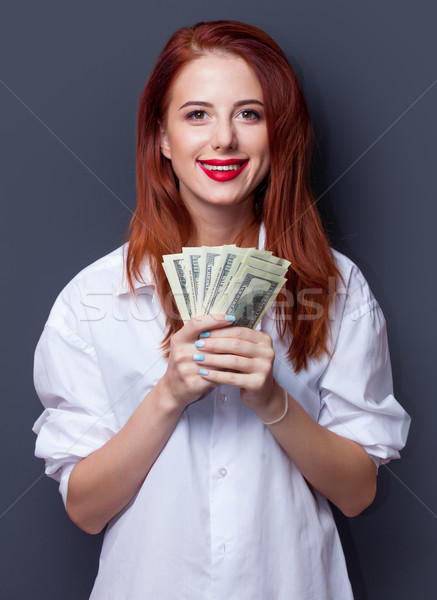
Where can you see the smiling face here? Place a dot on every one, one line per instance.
(215, 133)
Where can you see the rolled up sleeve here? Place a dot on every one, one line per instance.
(77, 418)
(356, 389)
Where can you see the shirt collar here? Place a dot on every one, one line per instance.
(146, 270)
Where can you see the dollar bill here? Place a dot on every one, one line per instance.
(220, 275)
(263, 260)
(251, 295)
(192, 258)
(209, 257)
(227, 279)
(174, 269)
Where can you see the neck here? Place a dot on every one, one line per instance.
(218, 225)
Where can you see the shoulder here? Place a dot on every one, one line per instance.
(106, 271)
(103, 277)
(354, 291)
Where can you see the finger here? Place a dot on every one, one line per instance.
(255, 336)
(195, 326)
(241, 380)
(185, 381)
(231, 345)
(218, 362)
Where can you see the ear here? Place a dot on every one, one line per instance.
(165, 146)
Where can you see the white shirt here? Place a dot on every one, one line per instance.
(223, 512)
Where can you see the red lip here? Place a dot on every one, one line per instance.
(223, 175)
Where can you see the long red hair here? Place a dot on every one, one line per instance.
(284, 201)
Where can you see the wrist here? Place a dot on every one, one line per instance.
(276, 408)
(166, 400)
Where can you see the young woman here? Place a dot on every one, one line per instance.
(209, 450)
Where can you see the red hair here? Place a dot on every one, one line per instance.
(284, 201)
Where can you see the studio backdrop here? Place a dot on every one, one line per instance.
(70, 79)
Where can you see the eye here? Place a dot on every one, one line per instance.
(196, 115)
(250, 115)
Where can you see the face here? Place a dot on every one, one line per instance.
(215, 132)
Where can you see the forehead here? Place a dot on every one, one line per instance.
(216, 77)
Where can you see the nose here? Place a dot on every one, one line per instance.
(224, 136)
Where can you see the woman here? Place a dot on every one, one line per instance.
(210, 450)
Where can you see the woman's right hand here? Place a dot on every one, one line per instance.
(102, 483)
(182, 380)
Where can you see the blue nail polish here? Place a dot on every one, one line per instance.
(199, 343)
(230, 318)
(203, 372)
(205, 334)
(198, 356)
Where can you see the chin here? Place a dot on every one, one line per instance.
(229, 203)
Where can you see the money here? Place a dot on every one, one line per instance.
(192, 271)
(243, 282)
(174, 269)
(209, 257)
(221, 274)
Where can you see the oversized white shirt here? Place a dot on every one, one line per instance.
(223, 512)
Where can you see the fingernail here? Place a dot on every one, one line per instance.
(204, 334)
(199, 343)
(203, 372)
(198, 356)
(230, 318)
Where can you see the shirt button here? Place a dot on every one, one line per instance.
(223, 398)
(223, 472)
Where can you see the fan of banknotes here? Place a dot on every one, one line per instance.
(243, 282)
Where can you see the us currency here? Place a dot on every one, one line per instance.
(251, 296)
(192, 272)
(174, 269)
(263, 260)
(225, 279)
(210, 255)
(238, 263)
(277, 266)
(220, 274)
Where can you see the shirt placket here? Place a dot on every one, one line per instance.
(222, 487)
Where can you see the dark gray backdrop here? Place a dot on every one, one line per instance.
(71, 75)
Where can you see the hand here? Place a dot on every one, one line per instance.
(182, 380)
(242, 357)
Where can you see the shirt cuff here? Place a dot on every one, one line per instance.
(63, 483)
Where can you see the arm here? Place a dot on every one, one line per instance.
(102, 483)
(337, 467)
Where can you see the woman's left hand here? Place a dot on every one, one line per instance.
(242, 357)
(337, 467)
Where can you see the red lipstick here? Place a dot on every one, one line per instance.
(223, 175)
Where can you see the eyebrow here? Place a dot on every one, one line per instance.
(209, 105)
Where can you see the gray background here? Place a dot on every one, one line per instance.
(71, 75)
